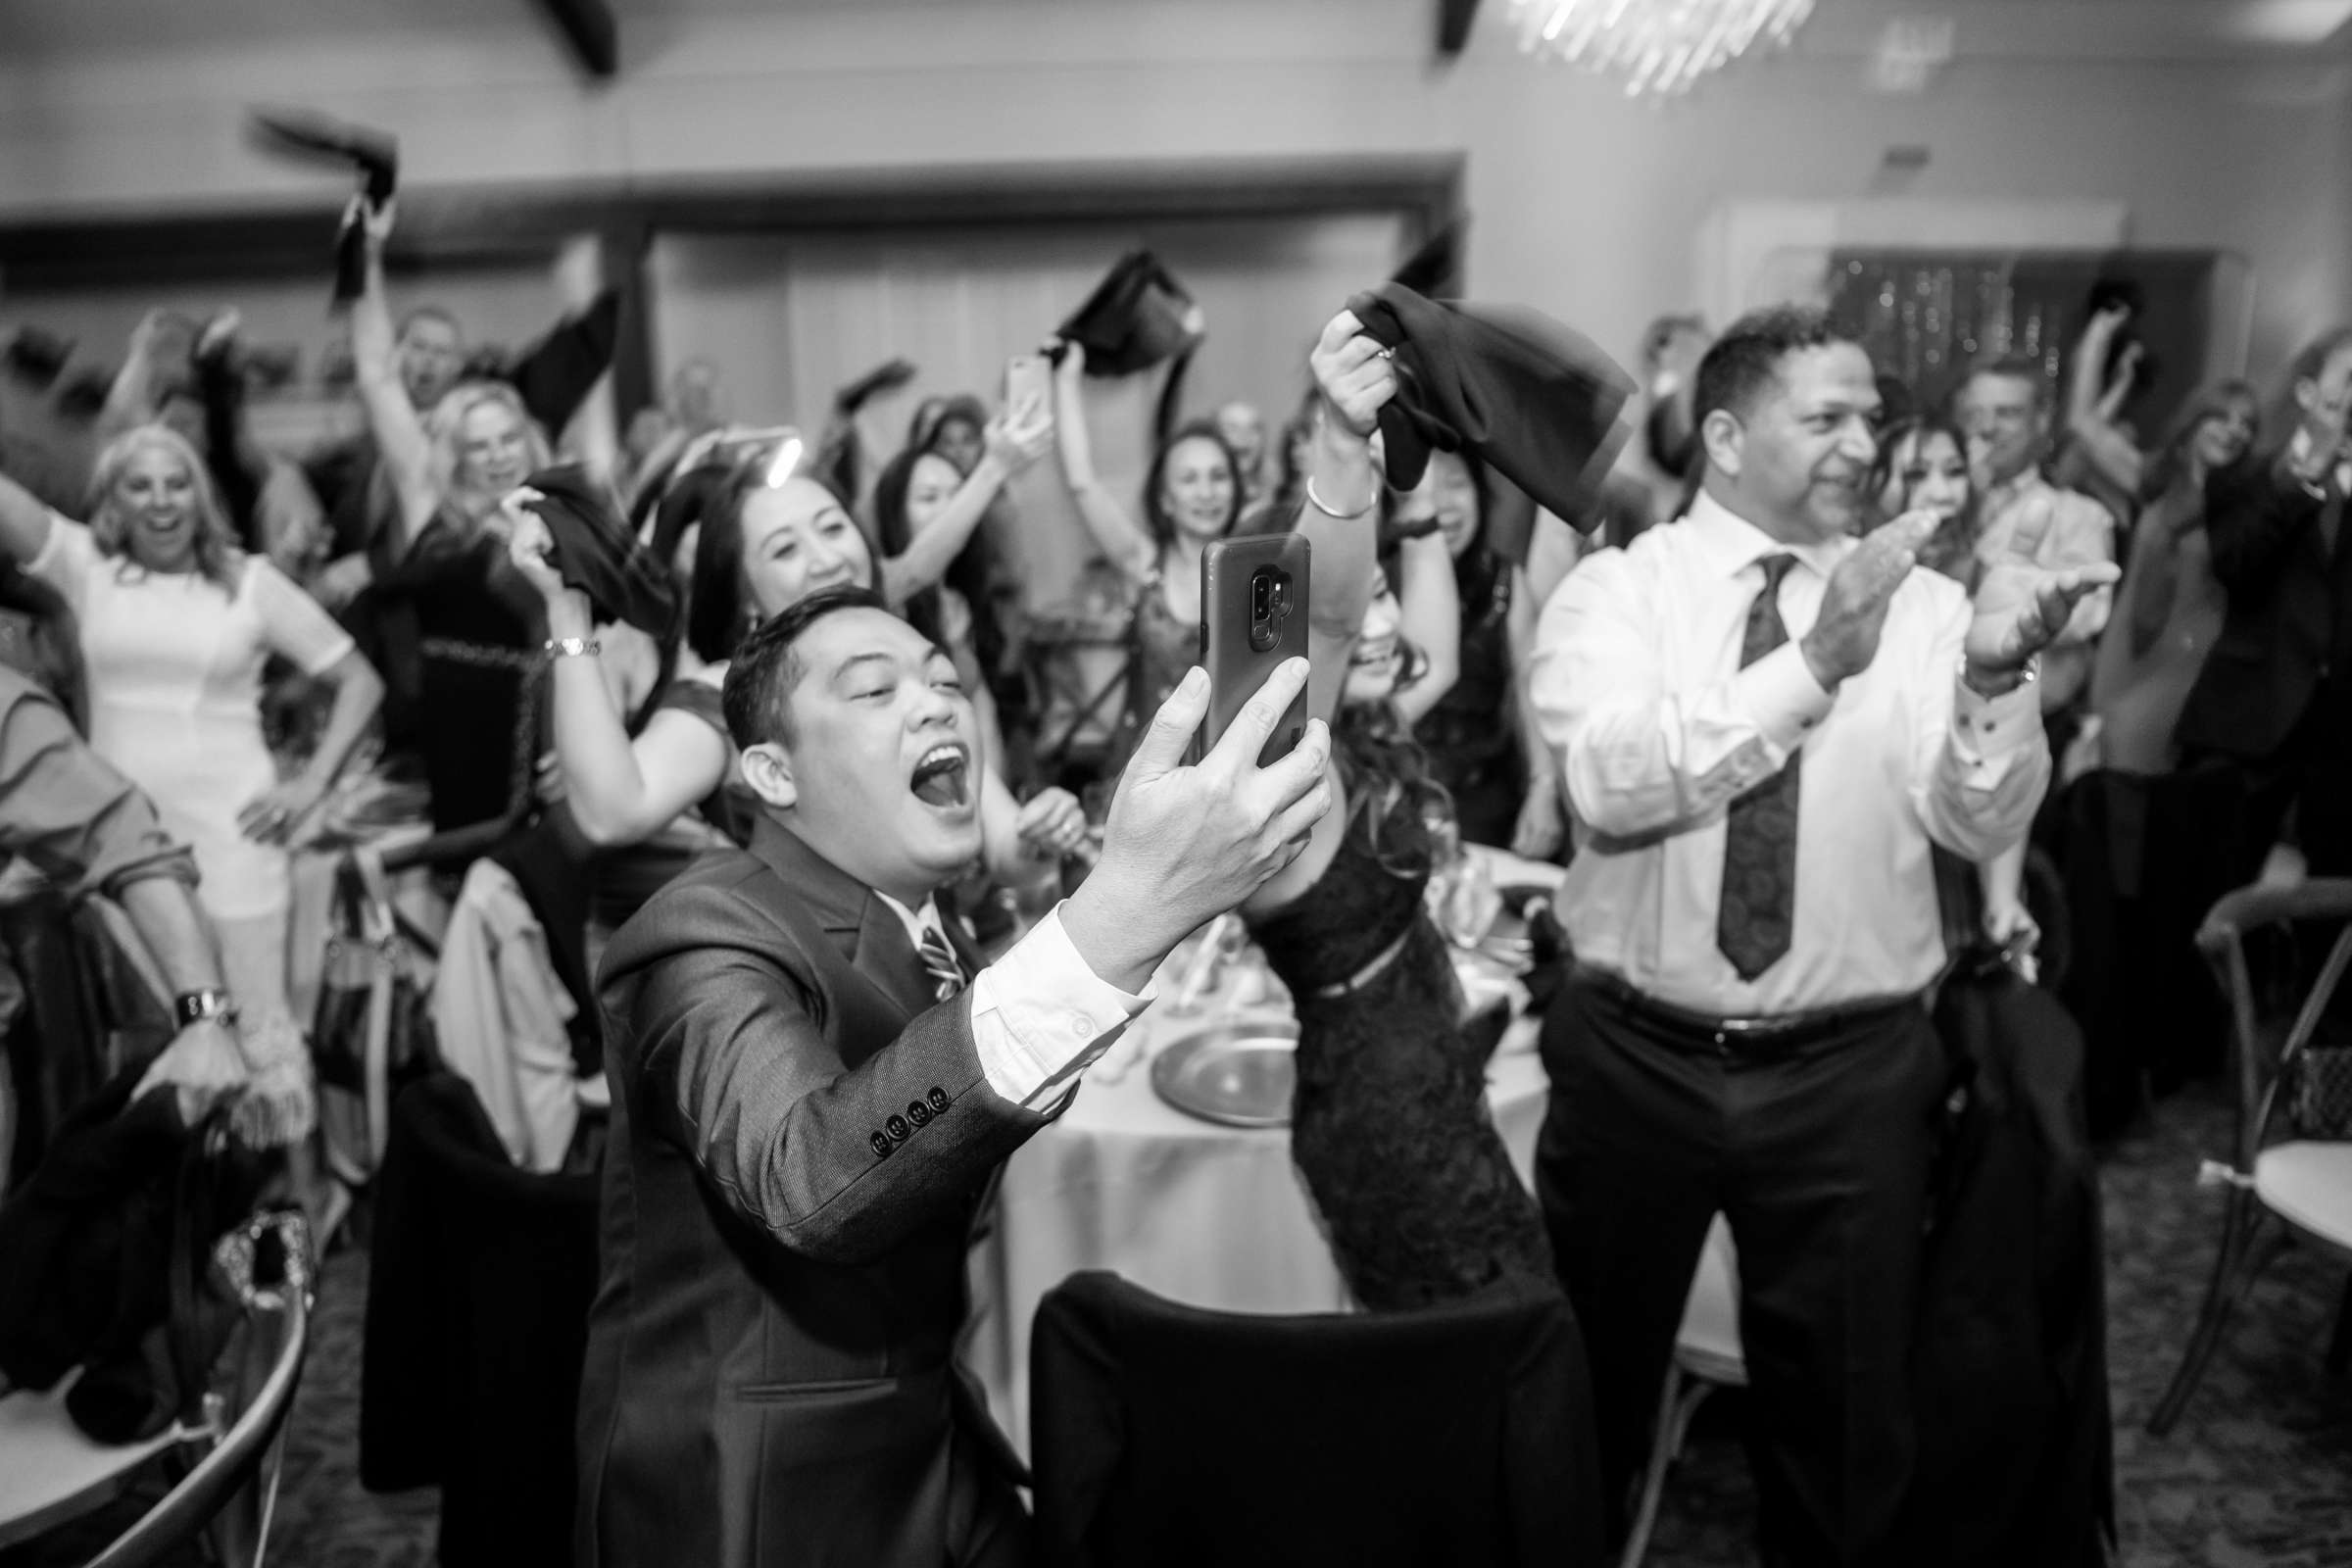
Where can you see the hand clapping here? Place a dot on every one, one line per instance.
(2022, 605)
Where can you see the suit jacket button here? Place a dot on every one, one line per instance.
(881, 1146)
(898, 1129)
(918, 1114)
(938, 1098)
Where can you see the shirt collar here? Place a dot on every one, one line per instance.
(2001, 497)
(917, 921)
(2298, 452)
(1731, 544)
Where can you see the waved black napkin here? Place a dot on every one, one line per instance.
(1537, 401)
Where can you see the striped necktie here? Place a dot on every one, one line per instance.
(941, 965)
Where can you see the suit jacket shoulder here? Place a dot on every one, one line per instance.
(765, 1034)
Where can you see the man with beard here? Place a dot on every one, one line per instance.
(809, 1099)
(1764, 724)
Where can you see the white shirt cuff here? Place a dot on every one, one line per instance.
(1990, 727)
(1782, 696)
(1040, 1017)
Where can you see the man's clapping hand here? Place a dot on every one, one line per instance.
(1184, 845)
(1844, 638)
(2022, 605)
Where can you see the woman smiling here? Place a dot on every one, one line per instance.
(175, 624)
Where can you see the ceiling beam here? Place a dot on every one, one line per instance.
(593, 32)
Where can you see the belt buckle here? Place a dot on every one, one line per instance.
(1729, 1031)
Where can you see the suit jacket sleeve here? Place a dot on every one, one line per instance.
(738, 1069)
(2254, 513)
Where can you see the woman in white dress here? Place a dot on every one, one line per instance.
(175, 624)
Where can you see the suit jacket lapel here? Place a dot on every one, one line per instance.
(865, 932)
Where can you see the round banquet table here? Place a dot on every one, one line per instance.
(1198, 1212)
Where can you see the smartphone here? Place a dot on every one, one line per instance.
(1028, 376)
(1252, 617)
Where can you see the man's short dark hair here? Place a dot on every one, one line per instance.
(1746, 362)
(766, 668)
(2012, 368)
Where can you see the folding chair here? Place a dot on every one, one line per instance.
(2298, 1188)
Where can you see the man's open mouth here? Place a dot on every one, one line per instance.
(942, 779)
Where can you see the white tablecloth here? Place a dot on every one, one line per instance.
(1206, 1214)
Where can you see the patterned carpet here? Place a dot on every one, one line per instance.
(2258, 1472)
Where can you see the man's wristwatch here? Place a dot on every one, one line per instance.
(208, 1006)
(2026, 674)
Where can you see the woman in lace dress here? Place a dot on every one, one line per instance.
(1390, 1126)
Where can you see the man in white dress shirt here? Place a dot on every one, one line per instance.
(1763, 725)
(2004, 410)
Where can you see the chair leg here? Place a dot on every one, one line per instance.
(2230, 1275)
(1677, 1402)
(1653, 1479)
(2339, 1344)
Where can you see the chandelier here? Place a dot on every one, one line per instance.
(1659, 46)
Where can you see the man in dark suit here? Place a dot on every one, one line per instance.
(2274, 697)
(809, 1100)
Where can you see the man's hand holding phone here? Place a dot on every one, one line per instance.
(1184, 845)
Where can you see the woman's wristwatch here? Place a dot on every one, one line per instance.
(212, 1005)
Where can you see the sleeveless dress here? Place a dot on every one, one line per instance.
(1389, 1122)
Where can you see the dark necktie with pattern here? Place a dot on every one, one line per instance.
(1758, 908)
(941, 964)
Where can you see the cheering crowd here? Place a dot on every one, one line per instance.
(851, 860)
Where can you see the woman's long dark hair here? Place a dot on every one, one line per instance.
(1390, 792)
(716, 613)
(2172, 460)
(1952, 547)
(969, 573)
(1482, 578)
(1155, 510)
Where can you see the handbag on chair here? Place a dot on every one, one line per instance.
(374, 1023)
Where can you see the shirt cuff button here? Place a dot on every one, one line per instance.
(1080, 1026)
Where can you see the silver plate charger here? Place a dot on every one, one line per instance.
(1237, 1072)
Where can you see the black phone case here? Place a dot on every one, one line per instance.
(1236, 667)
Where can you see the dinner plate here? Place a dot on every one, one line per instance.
(1237, 1072)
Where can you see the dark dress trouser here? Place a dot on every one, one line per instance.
(1816, 1147)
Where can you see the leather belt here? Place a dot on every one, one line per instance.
(1759, 1038)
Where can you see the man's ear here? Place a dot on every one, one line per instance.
(2307, 393)
(1725, 439)
(767, 769)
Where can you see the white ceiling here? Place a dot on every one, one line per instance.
(50, 28)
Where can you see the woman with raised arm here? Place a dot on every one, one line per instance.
(1389, 1123)
(766, 544)
(1481, 735)
(449, 469)
(1191, 498)
(175, 624)
(2171, 606)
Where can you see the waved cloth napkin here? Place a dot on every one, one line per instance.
(1136, 317)
(1535, 400)
(595, 552)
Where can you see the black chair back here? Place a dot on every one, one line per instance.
(480, 1278)
(1169, 1435)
